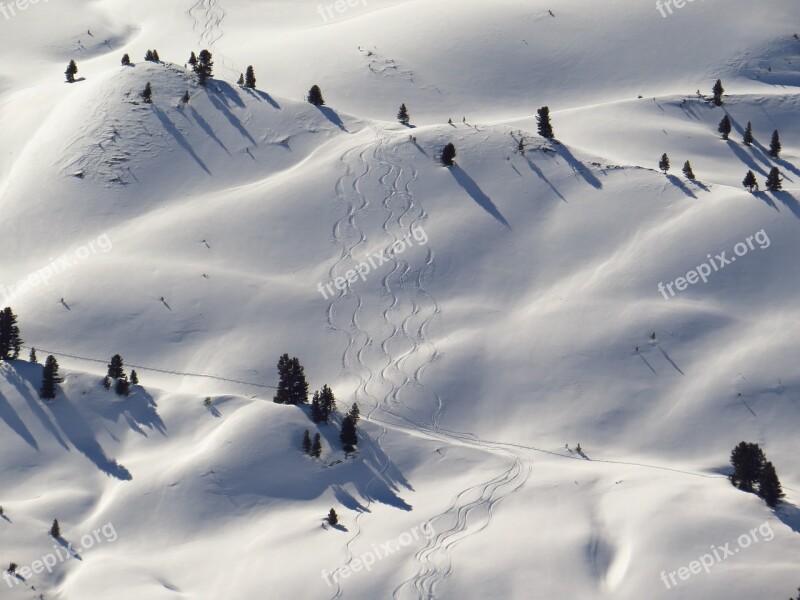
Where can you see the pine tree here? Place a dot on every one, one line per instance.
(49, 378)
(126, 60)
(748, 463)
(333, 519)
(748, 134)
(327, 402)
(402, 115)
(192, 60)
(282, 394)
(186, 97)
(774, 180)
(55, 529)
(316, 409)
(769, 486)
(250, 78)
(134, 378)
(718, 91)
(240, 81)
(148, 56)
(750, 181)
(122, 387)
(204, 67)
(315, 96)
(687, 170)
(156, 58)
(72, 70)
(316, 448)
(449, 155)
(355, 413)
(306, 442)
(147, 94)
(10, 340)
(299, 390)
(543, 120)
(725, 127)
(115, 368)
(292, 385)
(663, 164)
(348, 435)
(32, 357)
(775, 145)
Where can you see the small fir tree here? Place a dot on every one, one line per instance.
(663, 164)
(240, 81)
(49, 378)
(134, 378)
(316, 447)
(306, 442)
(32, 357)
(402, 115)
(725, 127)
(747, 139)
(750, 181)
(10, 340)
(774, 180)
(333, 518)
(348, 435)
(55, 529)
(769, 486)
(126, 60)
(192, 59)
(687, 170)
(315, 96)
(718, 90)
(449, 155)
(543, 121)
(147, 94)
(250, 78)
(775, 145)
(355, 413)
(186, 97)
(122, 387)
(115, 367)
(72, 70)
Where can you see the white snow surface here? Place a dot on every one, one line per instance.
(193, 241)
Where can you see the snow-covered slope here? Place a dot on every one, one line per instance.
(202, 241)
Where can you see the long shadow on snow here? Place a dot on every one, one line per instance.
(228, 92)
(538, 171)
(746, 158)
(331, 115)
(10, 417)
(264, 96)
(232, 119)
(578, 166)
(74, 426)
(474, 190)
(170, 127)
(138, 410)
(207, 128)
(789, 514)
(789, 202)
(676, 181)
(21, 376)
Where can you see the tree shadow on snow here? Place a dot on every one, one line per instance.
(746, 158)
(265, 96)
(232, 119)
(331, 115)
(138, 410)
(789, 514)
(182, 142)
(676, 181)
(789, 202)
(21, 376)
(477, 194)
(577, 166)
(538, 172)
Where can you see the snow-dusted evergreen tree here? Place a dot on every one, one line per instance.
(292, 385)
(240, 81)
(316, 409)
(333, 518)
(156, 58)
(134, 378)
(123, 386)
(748, 462)
(148, 56)
(327, 403)
(204, 66)
(186, 97)
(725, 127)
(355, 413)
(32, 358)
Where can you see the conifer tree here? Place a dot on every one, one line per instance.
(774, 180)
(192, 59)
(122, 387)
(316, 409)
(725, 127)
(250, 78)
(147, 94)
(49, 378)
(72, 70)
(327, 403)
(299, 392)
(240, 81)
(156, 58)
(687, 170)
(769, 486)
(775, 145)
(543, 120)
(449, 155)
(748, 462)
(663, 164)
(355, 413)
(282, 394)
(403, 116)
(718, 90)
(750, 181)
(126, 60)
(115, 367)
(204, 67)
(333, 518)
(315, 96)
(292, 385)
(316, 447)
(32, 357)
(748, 134)
(306, 442)
(348, 435)
(10, 340)
(186, 97)
(134, 378)
(55, 529)
(148, 56)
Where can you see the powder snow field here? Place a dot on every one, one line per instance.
(194, 240)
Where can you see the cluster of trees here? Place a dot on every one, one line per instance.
(202, 65)
(725, 128)
(116, 376)
(773, 183)
(151, 56)
(322, 405)
(248, 79)
(312, 448)
(753, 473)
